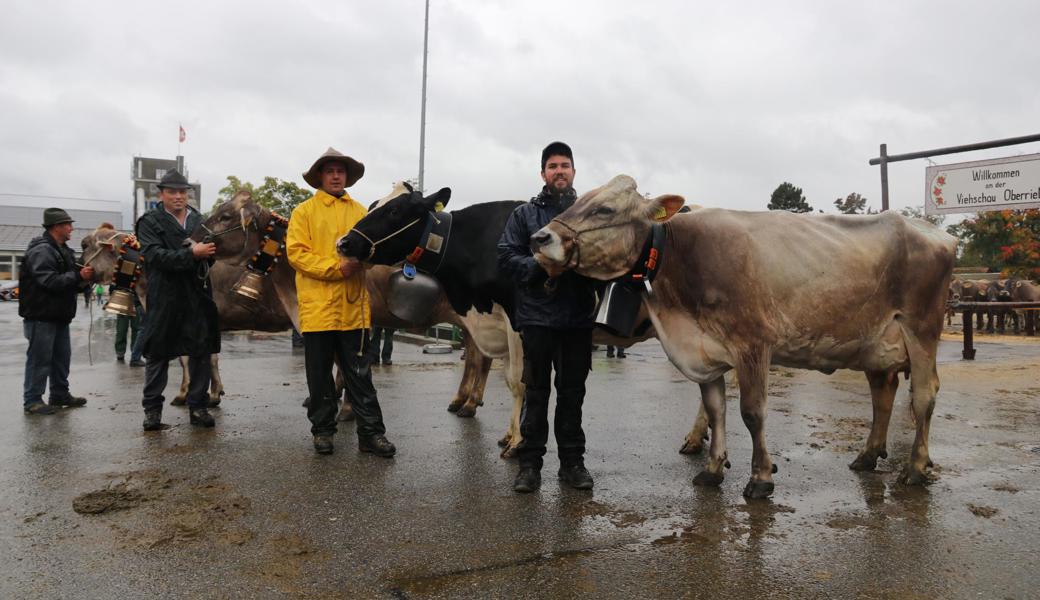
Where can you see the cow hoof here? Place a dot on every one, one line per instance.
(345, 414)
(864, 462)
(307, 402)
(758, 489)
(466, 411)
(178, 401)
(504, 442)
(508, 452)
(910, 477)
(708, 479)
(214, 402)
(455, 405)
(692, 447)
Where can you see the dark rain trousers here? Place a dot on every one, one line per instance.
(568, 353)
(321, 348)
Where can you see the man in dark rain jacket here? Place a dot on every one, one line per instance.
(182, 317)
(50, 284)
(554, 318)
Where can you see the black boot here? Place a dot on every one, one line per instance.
(69, 401)
(378, 445)
(527, 480)
(323, 444)
(153, 419)
(621, 353)
(576, 476)
(201, 417)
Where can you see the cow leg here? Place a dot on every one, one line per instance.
(753, 372)
(694, 442)
(476, 372)
(883, 387)
(514, 381)
(216, 385)
(925, 382)
(182, 395)
(346, 409)
(713, 402)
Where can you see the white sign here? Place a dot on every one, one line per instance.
(983, 185)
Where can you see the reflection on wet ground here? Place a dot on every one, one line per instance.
(92, 507)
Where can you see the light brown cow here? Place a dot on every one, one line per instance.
(739, 290)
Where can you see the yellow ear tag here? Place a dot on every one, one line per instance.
(438, 207)
(660, 214)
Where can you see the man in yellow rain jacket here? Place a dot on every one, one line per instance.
(334, 310)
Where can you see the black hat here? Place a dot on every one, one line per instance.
(55, 216)
(556, 149)
(174, 180)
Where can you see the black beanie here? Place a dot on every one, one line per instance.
(556, 149)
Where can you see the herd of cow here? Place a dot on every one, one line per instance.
(1003, 290)
(732, 290)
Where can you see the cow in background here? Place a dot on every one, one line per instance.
(815, 292)
(235, 227)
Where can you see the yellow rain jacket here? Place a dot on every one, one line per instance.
(327, 301)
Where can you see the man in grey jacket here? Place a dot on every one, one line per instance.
(50, 284)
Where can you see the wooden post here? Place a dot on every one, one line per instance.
(969, 352)
(1030, 322)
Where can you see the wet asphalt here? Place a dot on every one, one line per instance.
(247, 510)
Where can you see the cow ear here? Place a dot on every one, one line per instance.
(662, 208)
(438, 200)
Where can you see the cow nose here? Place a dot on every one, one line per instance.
(539, 239)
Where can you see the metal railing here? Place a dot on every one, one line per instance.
(968, 311)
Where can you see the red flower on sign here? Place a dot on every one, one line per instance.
(936, 192)
(942, 180)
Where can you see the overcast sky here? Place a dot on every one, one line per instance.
(719, 102)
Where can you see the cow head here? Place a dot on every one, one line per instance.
(387, 234)
(602, 234)
(233, 226)
(101, 251)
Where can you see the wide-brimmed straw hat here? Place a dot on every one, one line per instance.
(355, 170)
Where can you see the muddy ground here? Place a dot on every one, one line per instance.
(91, 507)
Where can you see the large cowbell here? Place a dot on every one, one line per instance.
(413, 298)
(619, 308)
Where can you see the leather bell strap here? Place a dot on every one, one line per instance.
(128, 268)
(271, 246)
(429, 254)
(645, 269)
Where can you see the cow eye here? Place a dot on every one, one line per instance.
(603, 211)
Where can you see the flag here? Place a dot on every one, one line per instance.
(183, 135)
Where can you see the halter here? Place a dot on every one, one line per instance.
(577, 234)
(372, 251)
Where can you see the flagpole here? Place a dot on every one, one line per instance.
(422, 118)
(180, 128)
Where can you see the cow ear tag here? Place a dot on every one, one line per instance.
(409, 271)
(660, 214)
(439, 207)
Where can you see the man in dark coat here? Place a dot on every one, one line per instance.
(50, 283)
(182, 317)
(554, 318)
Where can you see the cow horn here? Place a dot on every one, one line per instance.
(247, 217)
(241, 198)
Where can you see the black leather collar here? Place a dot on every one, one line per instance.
(428, 256)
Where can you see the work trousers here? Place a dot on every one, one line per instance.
(568, 353)
(123, 323)
(321, 348)
(155, 376)
(48, 357)
(386, 336)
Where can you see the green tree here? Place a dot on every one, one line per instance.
(273, 194)
(854, 204)
(788, 197)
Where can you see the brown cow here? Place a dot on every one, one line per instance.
(237, 224)
(739, 290)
